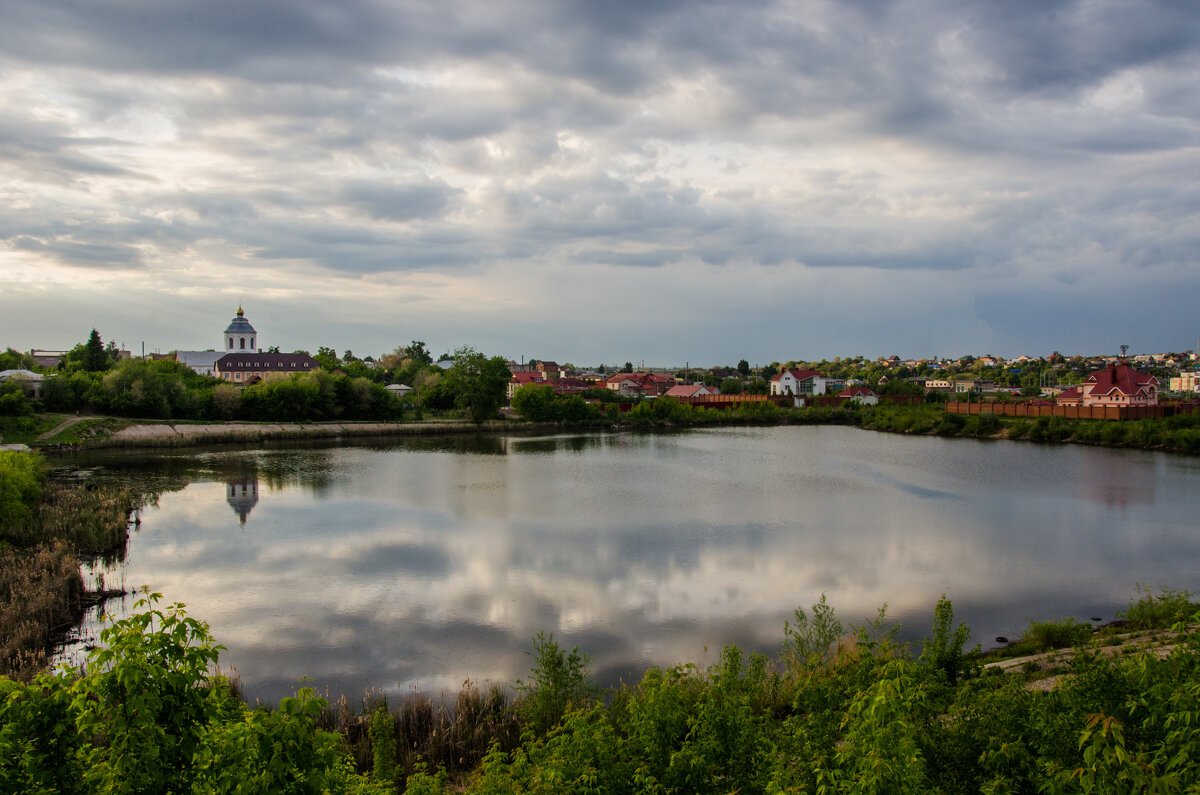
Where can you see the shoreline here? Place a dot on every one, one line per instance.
(192, 434)
(159, 435)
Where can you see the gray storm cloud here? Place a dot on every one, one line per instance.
(881, 155)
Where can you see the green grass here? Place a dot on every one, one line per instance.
(25, 429)
(87, 429)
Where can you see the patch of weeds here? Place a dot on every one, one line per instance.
(1158, 611)
(1061, 634)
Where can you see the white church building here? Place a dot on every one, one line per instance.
(239, 337)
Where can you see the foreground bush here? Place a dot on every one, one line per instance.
(846, 714)
(147, 715)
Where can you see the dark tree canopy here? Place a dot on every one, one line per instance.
(95, 359)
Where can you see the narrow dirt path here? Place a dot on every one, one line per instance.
(56, 431)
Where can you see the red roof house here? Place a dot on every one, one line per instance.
(692, 390)
(1115, 385)
(860, 394)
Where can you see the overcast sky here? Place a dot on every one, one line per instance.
(602, 181)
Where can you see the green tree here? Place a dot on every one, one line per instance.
(13, 400)
(757, 386)
(477, 383)
(731, 386)
(15, 360)
(57, 394)
(898, 386)
(535, 403)
(95, 360)
(743, 367)
(416, 350)
(327, 358)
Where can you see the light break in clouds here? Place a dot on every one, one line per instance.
(658, 181)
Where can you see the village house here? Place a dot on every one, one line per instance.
(692, 390)
(798, 382)
(1115, 385)
(521, 378)
(859, 394)
(47, 359)
(549, 370)
(1185, 382)
(974, 385)
(568, 385)
(648, 384)
(29, 381)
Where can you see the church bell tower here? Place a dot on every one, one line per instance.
(241, 337)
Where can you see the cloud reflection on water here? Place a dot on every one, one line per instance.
(420, 565)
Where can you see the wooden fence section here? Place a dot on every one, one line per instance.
(833, 401)
(1074, 412)
(729, 401)
(786, 401)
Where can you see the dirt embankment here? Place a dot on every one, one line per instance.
(182, 435)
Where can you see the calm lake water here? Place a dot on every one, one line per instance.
(420, 563)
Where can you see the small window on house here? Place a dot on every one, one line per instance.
(237, 376)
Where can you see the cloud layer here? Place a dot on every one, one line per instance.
(599, 182)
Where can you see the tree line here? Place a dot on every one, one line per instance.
(92, 377)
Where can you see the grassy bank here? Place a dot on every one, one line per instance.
(1176, 434)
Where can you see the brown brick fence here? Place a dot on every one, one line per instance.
(1073, 412)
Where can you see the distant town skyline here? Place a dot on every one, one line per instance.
(670, 182)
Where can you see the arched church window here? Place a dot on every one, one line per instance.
(243, 343)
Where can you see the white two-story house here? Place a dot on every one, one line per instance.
(798, 382)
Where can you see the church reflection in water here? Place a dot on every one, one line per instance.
(242, 496)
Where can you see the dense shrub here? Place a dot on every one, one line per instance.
(20, 489)
(539, 404)
(558, 681)
(148, 716)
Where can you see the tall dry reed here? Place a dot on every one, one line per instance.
(41, 594)
(454, 734)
